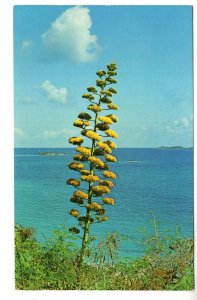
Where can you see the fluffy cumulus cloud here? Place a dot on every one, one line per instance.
(18, 132)
(53, 93)
(69, 36)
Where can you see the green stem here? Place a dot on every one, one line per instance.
(90, 192)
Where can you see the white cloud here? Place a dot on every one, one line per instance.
(182, 125)
(19, 132)
(53, 93)
(57, 133)
(26, 44)
(69, 36)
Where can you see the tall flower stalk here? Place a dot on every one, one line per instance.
(91, 162)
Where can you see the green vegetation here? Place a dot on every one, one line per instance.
(93, 172)
(54, 265)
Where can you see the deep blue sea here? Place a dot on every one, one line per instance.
(148, 180)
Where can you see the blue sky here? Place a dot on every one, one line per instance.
(58, 49)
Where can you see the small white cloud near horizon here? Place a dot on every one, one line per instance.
(27, 44)
(58, 95)
(182, 125)
(18, 132)
(56, 133)
(70, 38)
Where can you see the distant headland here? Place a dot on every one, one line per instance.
(173, 148)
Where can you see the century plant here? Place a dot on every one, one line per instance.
(91, 162)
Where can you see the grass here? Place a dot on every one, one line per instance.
(53, 265)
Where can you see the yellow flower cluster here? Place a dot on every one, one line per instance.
(94, 107)
(99, 190)
(81, 123)
(74, 213)
(112, 67)
(111, 133)
(93, 135)
(102, 219)
(107, 183)
(85, 172)
(77, 200)
(84, 116)
(84, 150)
(80, 157)
(110, 158)
(113, 117)
(111, 144)
(76, 166)
(104, 147)
(80, 194)
(90, 178)
(94, 206)
(106, 120)
(109, 174)
(107, 93)
(112, 106)
(109, 201)
(76, 140)
(74, 182)
(96, 161)
(98, 152)
(102, 126)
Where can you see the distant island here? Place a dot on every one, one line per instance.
(173, 148)
(51, 153)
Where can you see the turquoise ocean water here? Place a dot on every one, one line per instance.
(148, 180)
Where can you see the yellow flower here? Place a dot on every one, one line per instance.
(80, 157)
(109, 174)
(74, 213)
(98, 152)
(111, 80)
(74, 182)
(85, 172)
(100, 73)
(92, 89)
(99, 190)
(96, 161)
(102, 126)
(112, 106)
(88, 96)
(75, 140)
(80, 194)
(112, 67)
(84, 116)
(93, 135)
(113, 117)
(104, 147)
(76, 166)
(94, 206)
(106, 120)
(94, 107)
(112, 90)
(111, 133)
(111, 144)
(107, 93)
(111, 73)
(110, 158)
(107, 183)
(84, 150)
(76, 200)
(90, 178)
(81, 123)
(101, 83)
(105, 99)
(109, 201)
(100, 212)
